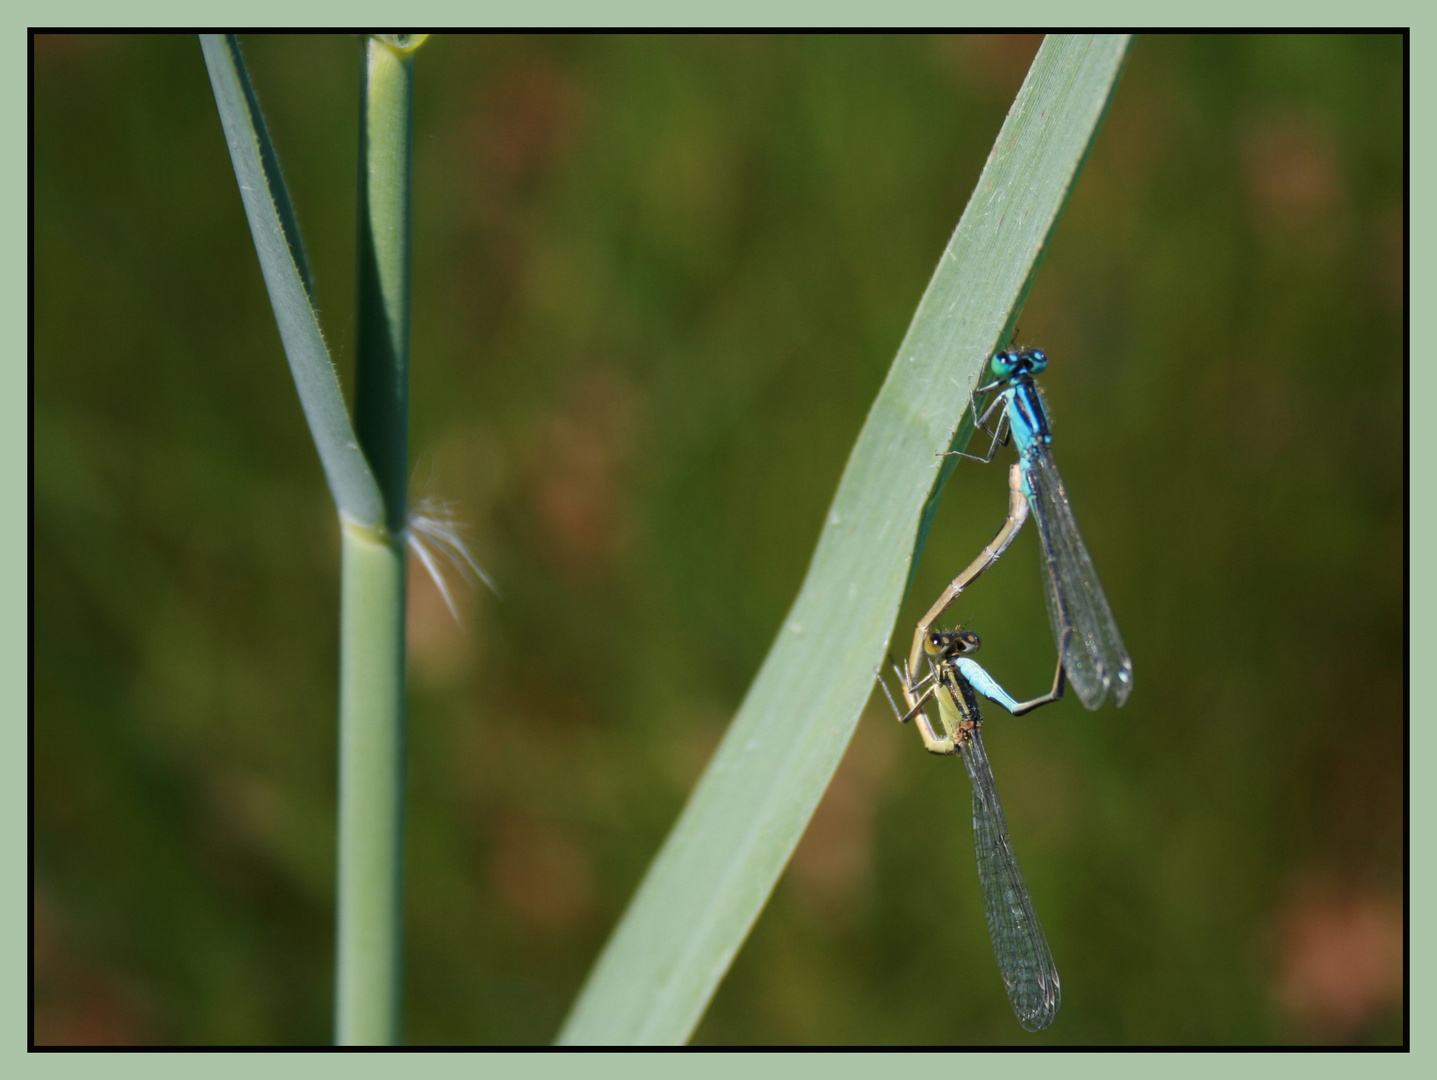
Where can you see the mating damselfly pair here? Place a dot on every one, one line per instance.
(1091, 658)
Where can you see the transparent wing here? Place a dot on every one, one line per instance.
(1019, 946)
(1096, 659)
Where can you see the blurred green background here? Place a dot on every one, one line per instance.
(657, 284)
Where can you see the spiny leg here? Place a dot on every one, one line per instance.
(932, 741)
(909, 688)
(1000, 435)
(1059, 681)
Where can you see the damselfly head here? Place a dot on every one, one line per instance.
(944, 644)
(1011, 362)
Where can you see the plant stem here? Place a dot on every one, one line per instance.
(371, 758)
(371, 787)
(381, 403)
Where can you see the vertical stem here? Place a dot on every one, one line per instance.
(371, 757)
(382, 383)
(371, 788)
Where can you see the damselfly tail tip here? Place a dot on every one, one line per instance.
(1039, 1015)
(1123, 685)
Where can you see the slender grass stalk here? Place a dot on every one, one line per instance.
(718, 865)
(381, 396)
(371, 788)
(371, 702)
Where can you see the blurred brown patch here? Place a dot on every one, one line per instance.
(525, 120)
(1292, 176)
(77, 1004)
(993, 65)
(1341, 962)
(438, 643)
(70, 47)
(1389, 257)
(544, 877)
(832, 869)
(579, 481)
(246, 806)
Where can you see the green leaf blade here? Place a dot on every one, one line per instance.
(281, 256)
(723, 857)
